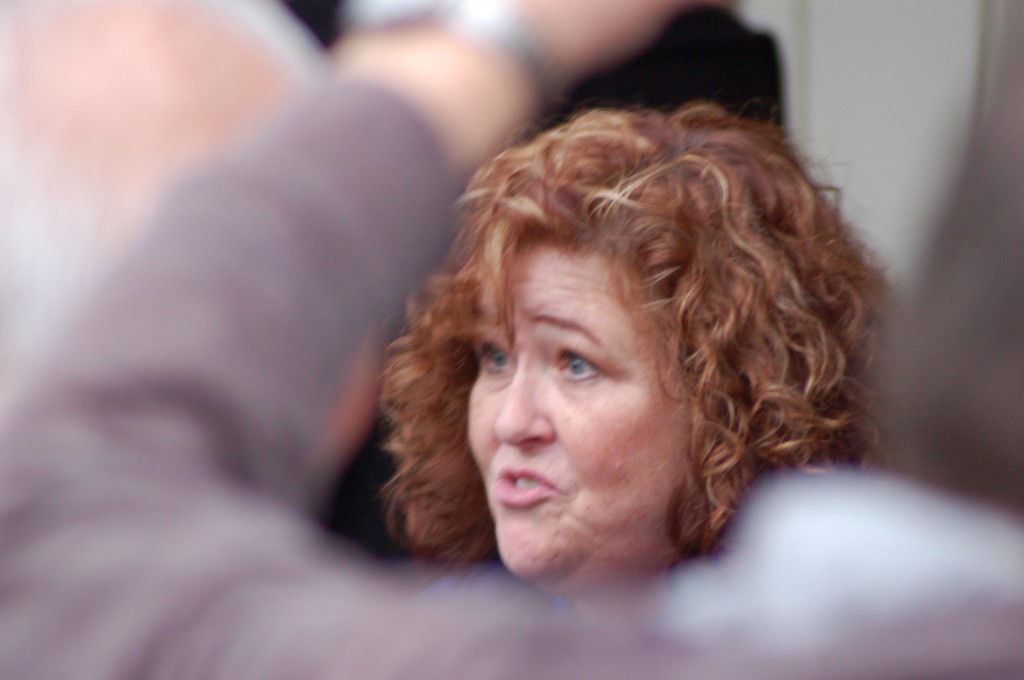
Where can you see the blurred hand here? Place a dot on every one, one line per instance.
(476, 94)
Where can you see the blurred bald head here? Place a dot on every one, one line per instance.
(105, 103)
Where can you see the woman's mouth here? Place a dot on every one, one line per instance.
(523, 489)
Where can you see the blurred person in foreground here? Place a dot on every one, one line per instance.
(106, 104)
(644, 313)
(918, 572)
(157, 471)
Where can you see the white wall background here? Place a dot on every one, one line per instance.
(881, 94)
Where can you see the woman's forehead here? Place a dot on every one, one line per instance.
(548, 276)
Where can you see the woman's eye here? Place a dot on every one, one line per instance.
(491, 358)
(578, 367)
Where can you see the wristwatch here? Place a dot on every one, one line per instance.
(497, 24)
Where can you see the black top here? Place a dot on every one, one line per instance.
(703, 54)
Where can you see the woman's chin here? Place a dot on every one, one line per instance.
(531, 568)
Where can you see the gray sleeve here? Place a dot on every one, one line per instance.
(154, 475)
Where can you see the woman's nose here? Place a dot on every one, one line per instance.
(523, 418)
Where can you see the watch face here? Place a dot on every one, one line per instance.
(383, 13)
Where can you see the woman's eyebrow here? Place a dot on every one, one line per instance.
(568, 325)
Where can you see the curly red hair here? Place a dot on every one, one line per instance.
(765, 301)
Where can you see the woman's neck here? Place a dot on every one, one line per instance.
(629, 599)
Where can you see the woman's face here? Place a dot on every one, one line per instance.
(579, 444)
